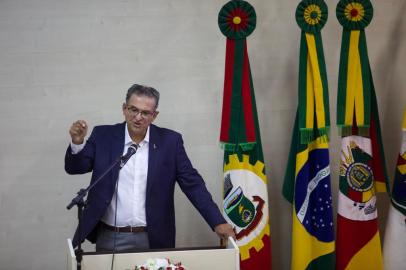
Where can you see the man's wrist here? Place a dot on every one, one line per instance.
(76, 148)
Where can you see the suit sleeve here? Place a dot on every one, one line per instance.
(83, 161)
(194, 187)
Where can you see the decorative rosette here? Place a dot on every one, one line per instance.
(237, 19)
(354, 14)
(311, 15)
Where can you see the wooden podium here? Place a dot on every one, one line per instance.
(217, 258)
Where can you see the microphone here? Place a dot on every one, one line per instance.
(130, 152)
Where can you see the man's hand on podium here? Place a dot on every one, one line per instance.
(224, 231)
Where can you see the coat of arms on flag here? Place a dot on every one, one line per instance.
(245, 184)
(362, 167)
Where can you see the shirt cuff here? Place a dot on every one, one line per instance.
(76, 148)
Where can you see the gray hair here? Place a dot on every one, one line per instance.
(142, 90)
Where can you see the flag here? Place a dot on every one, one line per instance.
(362, 167)
(307, 183)
(314, 116)
(395, 234)
(307, 186)
(245, 204)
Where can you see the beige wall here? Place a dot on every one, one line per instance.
(64, 60)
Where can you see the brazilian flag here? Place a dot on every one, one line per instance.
(307, 187)
(307, 180)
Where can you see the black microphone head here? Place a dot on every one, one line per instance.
(132, 149)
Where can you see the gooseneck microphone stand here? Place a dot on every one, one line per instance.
(81, 203)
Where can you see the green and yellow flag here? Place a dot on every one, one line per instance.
(245, 183)
(362, 168)
(354, 78)
(314, 116)
(307, 180)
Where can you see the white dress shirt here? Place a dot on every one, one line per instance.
(132, 185)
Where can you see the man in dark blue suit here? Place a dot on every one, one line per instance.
(134, 207)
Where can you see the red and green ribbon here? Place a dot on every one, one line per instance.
(354, 79)
(237, 20)
(314, 114)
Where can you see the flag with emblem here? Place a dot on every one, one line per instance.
(395, 234)
(245, 204)
(362, 167)
(307, 186)
(307, 183)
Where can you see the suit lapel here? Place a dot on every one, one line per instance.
(153, 155)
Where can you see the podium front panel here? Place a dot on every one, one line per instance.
(195, 259)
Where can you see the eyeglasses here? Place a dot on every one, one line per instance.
(134, 111)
